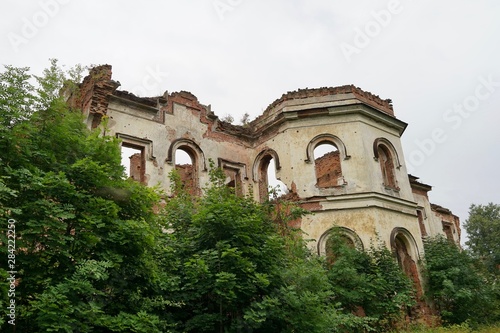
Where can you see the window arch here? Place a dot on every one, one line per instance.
(346, 234)
(263, 173)
(327, 151)
(385, 153)
(405, 248)
(188, 166)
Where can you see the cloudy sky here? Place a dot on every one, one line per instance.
(439, 61)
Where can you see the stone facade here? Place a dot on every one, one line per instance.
(362, 187)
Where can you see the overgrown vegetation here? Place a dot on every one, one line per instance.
(98, 253)
(463, 284)
(369, 282)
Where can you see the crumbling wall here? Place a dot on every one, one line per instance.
(188, 178)
(328, 170)
(92, 95)
(137, 168)
(450, 223)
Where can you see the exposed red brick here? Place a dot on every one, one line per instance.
(367, 97)
(188, 178)
(137, 167)
(328, 169)
(421, 224)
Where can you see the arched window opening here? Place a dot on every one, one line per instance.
(134, 162)
(337, 236)
(337, 242)
(401, 247)
(387, 166)
(327, 165)
(185, 164)
(269, 185)
(278, 187)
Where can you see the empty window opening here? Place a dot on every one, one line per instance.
(448, 231)
(270, 186)
(134, 162)
(420, 217)
(387, 166)
(233, 180)
(334, 246)
(406, 262)
(327, 165)
(185, 164)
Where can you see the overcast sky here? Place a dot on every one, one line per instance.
(439, 61)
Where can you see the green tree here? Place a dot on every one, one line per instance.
(242, 268)
(86, 238)
(483, 230)
(368, 282)
(458, 284)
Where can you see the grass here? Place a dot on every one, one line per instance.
(463, 328)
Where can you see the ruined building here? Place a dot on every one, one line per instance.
(361, 186)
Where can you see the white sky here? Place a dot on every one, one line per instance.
(430, 57)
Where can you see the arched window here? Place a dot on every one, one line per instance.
(388, 160)
(343, 234)
(185, 164)
(327, 151)
(404, 247)
(188, 159)
(387, 166)
(264, 173)
(327, 165)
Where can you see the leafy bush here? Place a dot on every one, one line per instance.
(370, 283)
(459, 285)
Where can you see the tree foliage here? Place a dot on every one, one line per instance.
(483, 230)
(458, 284)
(86, 237)
(368, 282)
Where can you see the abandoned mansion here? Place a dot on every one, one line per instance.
(360, 186)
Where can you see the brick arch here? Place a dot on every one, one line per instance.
(408, 240)
(189, 147)
(266, 153)
(325, 138)
(406, 251)
(386, 155)
(259, 170)
(189, 174)
(328, 167)
(348, 233)
(389, 146)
